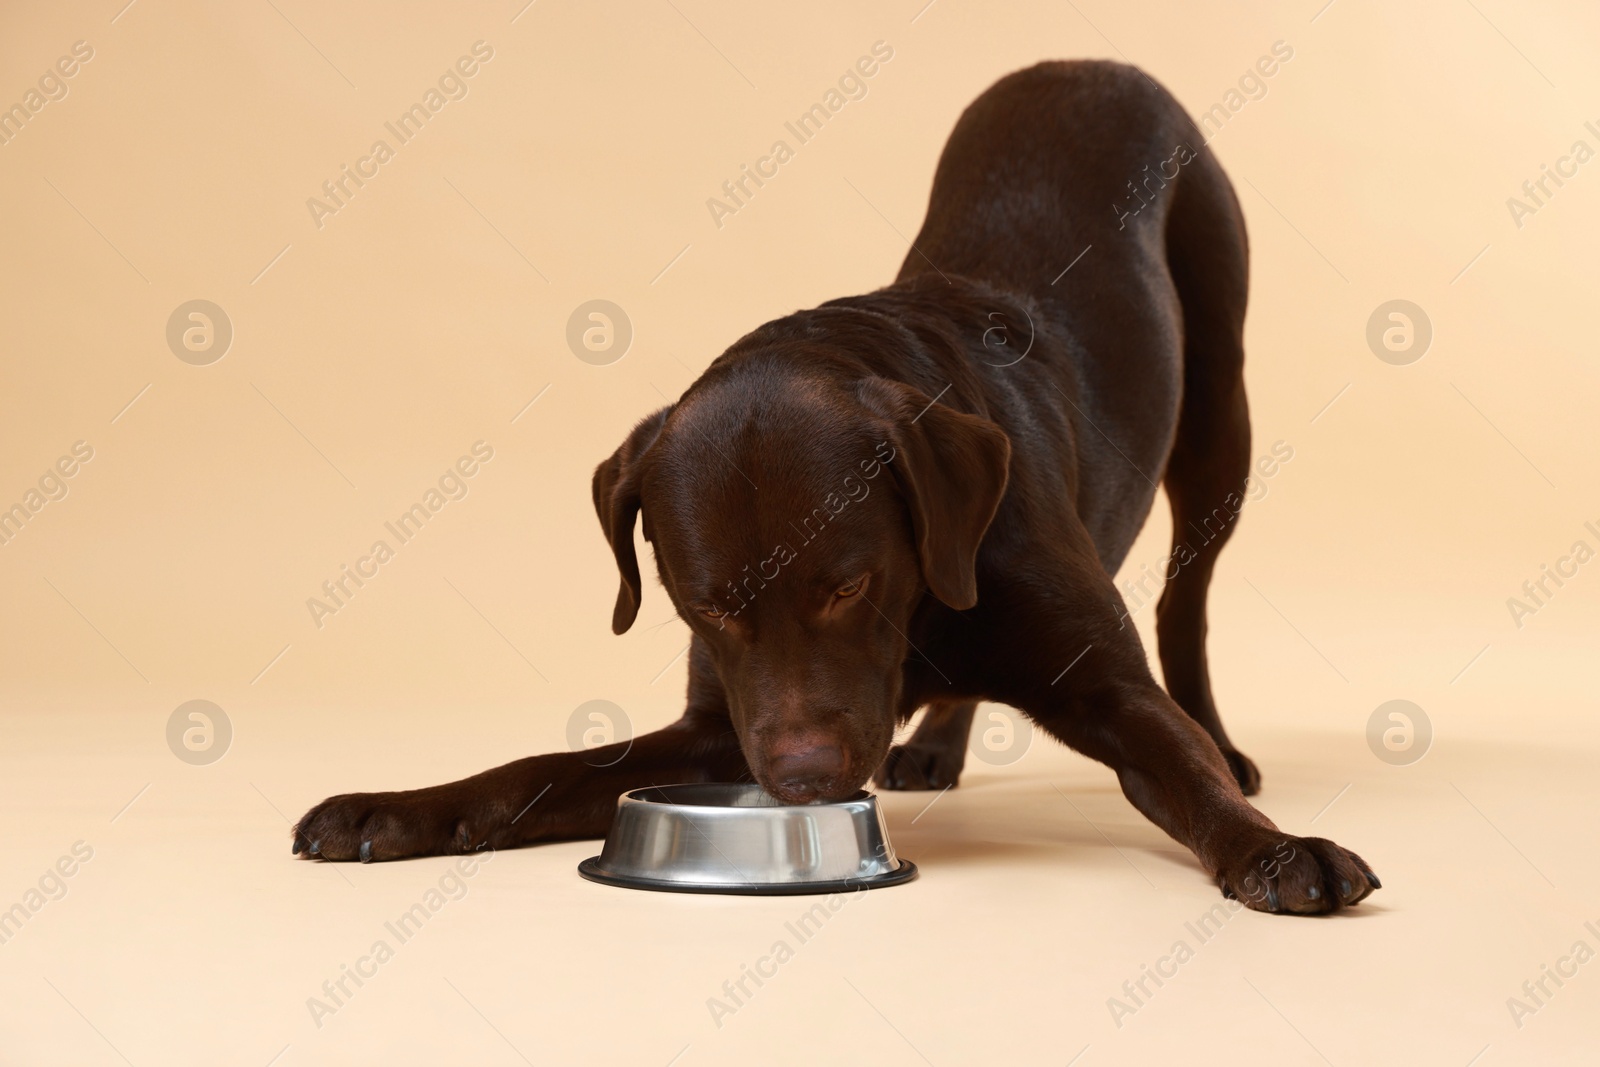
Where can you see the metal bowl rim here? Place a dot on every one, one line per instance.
(860, 798)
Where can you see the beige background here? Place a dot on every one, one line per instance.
(370, 353)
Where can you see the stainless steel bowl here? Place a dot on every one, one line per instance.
(719, 838)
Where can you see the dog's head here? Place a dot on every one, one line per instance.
(797, 524)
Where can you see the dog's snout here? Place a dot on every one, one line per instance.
(802, 771)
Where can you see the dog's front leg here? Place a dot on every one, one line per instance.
(1109, 707)
(554, 797)
(1172, 770)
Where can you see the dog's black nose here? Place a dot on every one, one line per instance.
(802, 773)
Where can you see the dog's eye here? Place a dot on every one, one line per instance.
(850, 589)
(713, 613)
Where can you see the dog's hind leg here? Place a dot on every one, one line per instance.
(933, 757)
(1210, 461)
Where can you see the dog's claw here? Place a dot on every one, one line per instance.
(1373, 879)
(315, 849)
(299, 843)
(366, 852)
(1313, 892)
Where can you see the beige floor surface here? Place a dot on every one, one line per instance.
(191, 937)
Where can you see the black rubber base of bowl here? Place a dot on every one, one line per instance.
(590, 869)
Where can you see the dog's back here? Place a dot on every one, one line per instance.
(1084, 186)
(1039, 165)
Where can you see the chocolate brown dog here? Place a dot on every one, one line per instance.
(916, 498)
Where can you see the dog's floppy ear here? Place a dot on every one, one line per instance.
(952, 468)
(616, 501)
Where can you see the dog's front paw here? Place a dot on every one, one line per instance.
(1298, 875)
(384, 826)
(911, 767)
